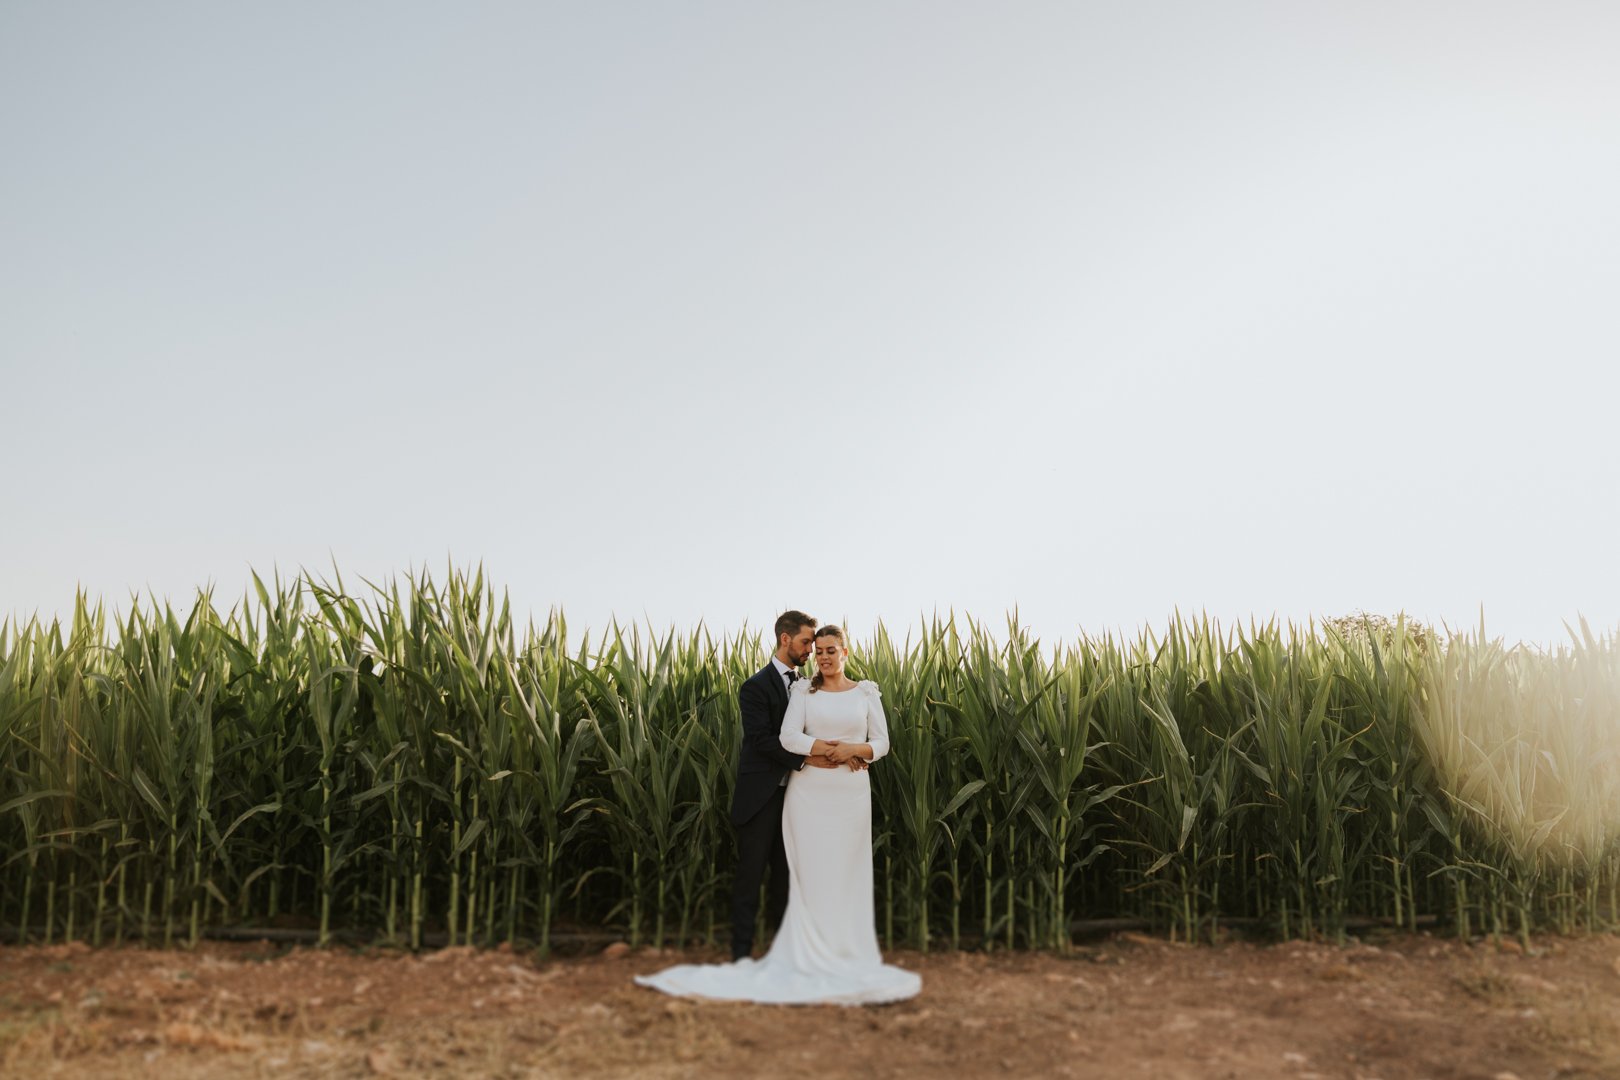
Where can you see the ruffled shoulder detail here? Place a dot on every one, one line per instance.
(871, 688)
(801, 685)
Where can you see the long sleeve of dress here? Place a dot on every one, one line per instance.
(877, 725)
(794, 739)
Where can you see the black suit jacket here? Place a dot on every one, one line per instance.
(761, 761)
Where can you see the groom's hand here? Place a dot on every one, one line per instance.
(819, 761)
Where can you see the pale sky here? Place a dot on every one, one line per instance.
(700, 310)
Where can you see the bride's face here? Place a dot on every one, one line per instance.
(830, 656)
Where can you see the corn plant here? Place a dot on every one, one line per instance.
(404, 762)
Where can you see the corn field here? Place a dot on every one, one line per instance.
(395, 765)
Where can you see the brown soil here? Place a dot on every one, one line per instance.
(1406, 1007)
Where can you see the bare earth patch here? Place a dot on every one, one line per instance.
(1407, 1007)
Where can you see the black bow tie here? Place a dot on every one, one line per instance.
(792, 676)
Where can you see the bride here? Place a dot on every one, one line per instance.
(826, 950)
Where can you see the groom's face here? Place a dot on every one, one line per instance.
(800, 645)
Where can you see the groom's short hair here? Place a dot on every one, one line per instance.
(791, 622)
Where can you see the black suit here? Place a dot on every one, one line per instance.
(756, 806)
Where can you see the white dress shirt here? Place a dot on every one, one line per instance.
(782, 670)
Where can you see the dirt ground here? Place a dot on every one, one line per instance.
(1131, 1006)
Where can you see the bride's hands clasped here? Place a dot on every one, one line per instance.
(844, 753)
(836, 754)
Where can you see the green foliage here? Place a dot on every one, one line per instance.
(400, 761)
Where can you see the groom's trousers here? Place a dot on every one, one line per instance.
(759, 845)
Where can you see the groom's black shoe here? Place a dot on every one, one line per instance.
(740, 954)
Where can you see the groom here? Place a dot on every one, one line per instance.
(762, 776)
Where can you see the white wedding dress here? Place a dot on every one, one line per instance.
(826, 951)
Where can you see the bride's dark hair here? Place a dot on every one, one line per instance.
(832, 631)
